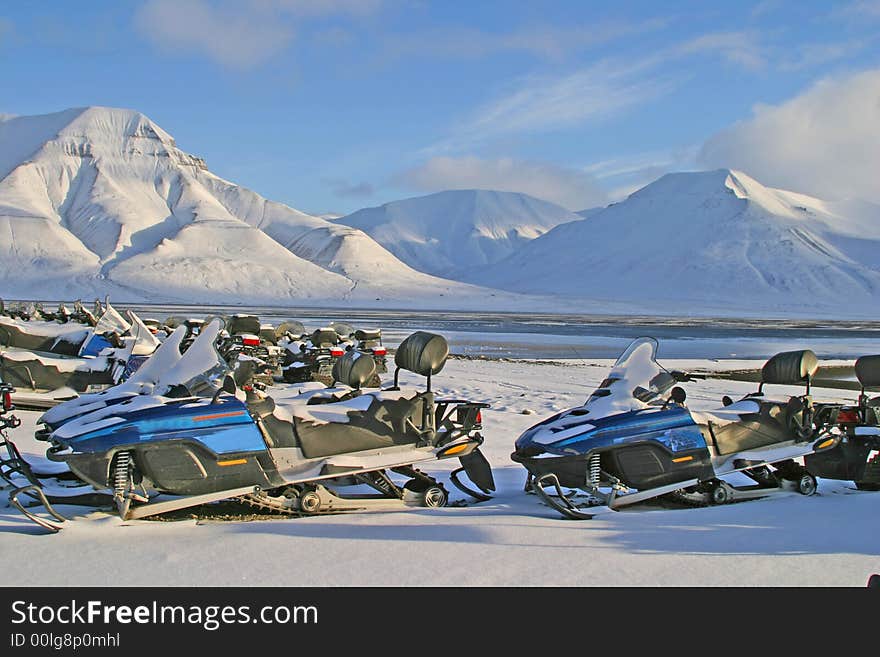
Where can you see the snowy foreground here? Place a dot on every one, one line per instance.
(829, 539)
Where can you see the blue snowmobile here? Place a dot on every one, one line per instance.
(634, 439)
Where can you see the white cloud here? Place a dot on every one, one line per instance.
(862, 8)
(624, 175)
(604, 88)
(550, 102)
(548, 41)
(238, 34)
(570, 188)
(229, 34)
(823, 142)
(812, 54)
(345, 189)
(742, 48)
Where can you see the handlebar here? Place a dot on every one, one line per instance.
(684, 377)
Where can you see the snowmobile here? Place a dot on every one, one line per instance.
(857, 457)
(245, 338)
(67, 338)
(312, 358)
(369, 341)
(634, 439)
(111, 352)
(289, 452)
(60, 338)
(25, 480)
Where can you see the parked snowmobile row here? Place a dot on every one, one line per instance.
(193, 426)
(186, 430)
(70, 358)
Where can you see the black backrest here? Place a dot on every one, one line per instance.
(422, 353)
(354, 369)
(324, 337)
(868, 371)
(362, 335)
(790, 367)
(344, 330)
(293, 327)
(239, 324)
(267, 334)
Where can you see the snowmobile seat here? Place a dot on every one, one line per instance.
(42, 371)
(372, 420)
(360, 422)
(747, 424)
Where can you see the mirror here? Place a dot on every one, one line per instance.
(678, 395)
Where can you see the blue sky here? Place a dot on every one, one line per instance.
(333, 105)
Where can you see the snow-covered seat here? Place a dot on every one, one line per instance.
(36, 335)
(356, 420)
(47, 371)
(747, 424)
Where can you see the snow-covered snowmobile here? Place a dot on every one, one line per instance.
(246, 338)
(857, 457)
(290, 452)
(111, 351)
(634, 439)
(312, 357)
(369, 341)
(63, 332)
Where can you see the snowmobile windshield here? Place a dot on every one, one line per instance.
(111, 322)
(145, 343)
(162, 360)
(201, 368)
(636, 380)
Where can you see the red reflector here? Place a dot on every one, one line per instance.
(7, 401)
(479, 419)
(336, 352)
(251, 342)
(847, 415)
(380, 351)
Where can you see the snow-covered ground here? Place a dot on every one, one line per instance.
(829, 539)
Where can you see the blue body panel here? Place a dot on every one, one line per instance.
(225, 427)
(673, 427)
(95, 345)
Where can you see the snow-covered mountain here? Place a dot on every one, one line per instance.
(97, 201)
(708, 240)
(100, 200)
(448, 232)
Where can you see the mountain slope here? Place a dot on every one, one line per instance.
(714, 238)
(97, 200)
(448, 232)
